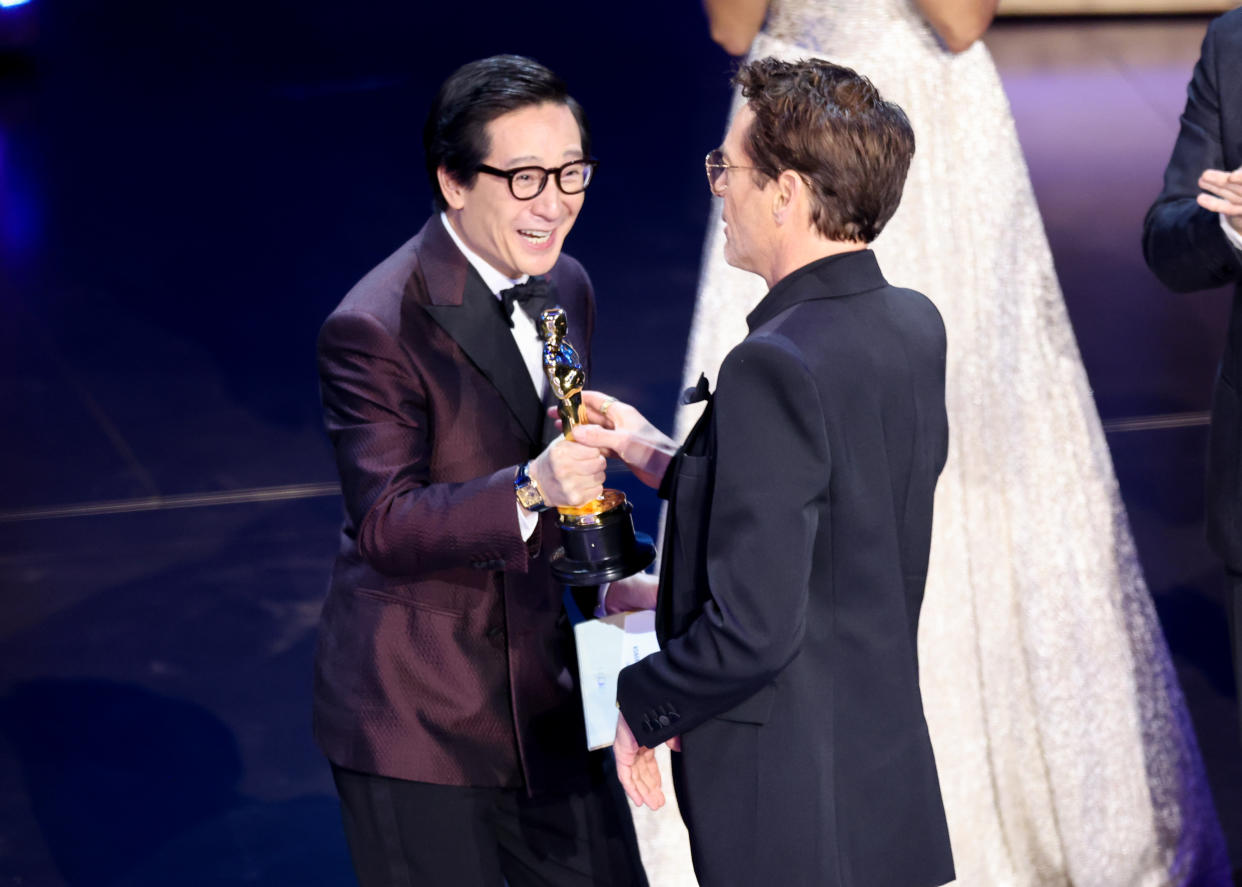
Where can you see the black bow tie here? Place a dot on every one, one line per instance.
(532, 296)
(701, 391)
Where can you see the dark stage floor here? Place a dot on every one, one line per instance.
(186, 191)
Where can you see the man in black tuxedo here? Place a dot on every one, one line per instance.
(799, 521)
(1192, 239)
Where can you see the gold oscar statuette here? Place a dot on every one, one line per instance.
(600, 544)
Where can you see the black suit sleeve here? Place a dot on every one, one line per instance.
(771, 472)
(1182, 242)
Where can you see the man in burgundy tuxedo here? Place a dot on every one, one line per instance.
(445, 690)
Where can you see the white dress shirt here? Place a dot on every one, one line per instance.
(525, 334)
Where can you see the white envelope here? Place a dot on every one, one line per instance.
(605, 646)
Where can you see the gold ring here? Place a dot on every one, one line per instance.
(603, 408)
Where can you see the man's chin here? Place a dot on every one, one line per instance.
(536, 266)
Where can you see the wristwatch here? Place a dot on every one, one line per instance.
(529, 495)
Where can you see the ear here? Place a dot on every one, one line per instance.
(454, 192)
(786, 195)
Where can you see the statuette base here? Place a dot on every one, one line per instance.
(601, 546)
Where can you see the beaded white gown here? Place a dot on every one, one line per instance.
(1065, 752)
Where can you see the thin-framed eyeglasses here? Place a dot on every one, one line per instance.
(717, 166)
(528, 182)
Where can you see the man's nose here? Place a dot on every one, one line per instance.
(551, 202)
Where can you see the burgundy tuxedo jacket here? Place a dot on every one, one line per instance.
(444, 653)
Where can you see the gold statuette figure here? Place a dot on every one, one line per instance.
(563, 367)
(600, 542)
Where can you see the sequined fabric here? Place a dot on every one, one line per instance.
(1065, 752)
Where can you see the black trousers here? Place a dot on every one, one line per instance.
(416, 834)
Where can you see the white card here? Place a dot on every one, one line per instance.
(605, 646)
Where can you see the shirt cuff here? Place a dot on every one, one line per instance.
(1234, 238)
(527, 521)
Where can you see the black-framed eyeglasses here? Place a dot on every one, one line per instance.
(528, 182)
(717, 166)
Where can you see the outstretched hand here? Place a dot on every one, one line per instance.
(621, 430)
(1223, 194)
(637, 770)
(637, 592)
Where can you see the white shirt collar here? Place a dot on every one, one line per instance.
(494, 279)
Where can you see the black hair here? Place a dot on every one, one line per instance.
(455, 134)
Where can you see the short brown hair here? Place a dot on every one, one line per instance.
(830, 125)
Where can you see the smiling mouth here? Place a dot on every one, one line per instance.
(535, 237)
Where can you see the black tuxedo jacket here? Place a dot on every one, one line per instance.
(444, 653)
(1186, 248)
(793, 566)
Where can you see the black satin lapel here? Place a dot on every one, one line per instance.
(476, 325)
(693, 443)
(668, 558)
(674, 556)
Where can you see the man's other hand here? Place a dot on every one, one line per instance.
(1224, 195)
(637, 770)
(637, 592)
(569, 473)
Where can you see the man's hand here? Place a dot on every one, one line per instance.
(1224, 194)
(621, 430)
(637, 770)
(637, 592)
(569, 473)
